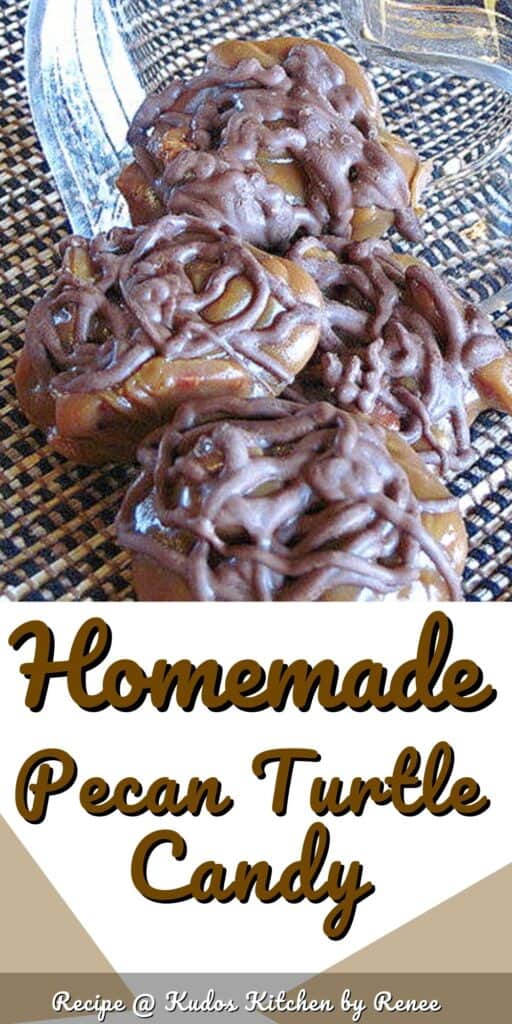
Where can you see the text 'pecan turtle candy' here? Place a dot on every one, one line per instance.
(275, 138)
(280, 501)
(142, 319)
(398, 343)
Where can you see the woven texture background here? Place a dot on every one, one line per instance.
(56, 519)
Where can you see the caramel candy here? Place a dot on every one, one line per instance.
(275, 138)
(399, 343)
(269, 500)
(142, 319)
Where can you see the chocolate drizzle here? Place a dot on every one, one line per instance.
(272, 500)
(230, 124)
(397, 342)
(137, 300)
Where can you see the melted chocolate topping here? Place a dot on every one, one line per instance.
(235, 119)
(397, 339)
(272, 500)
(139, 302)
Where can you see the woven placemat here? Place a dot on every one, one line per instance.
(56, 519)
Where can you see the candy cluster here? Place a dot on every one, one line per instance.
(259, 192)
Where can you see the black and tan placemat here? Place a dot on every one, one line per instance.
(56, 519)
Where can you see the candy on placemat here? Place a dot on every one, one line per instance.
(272, 500)
(142, 319)
(274, 138)
(398, 343)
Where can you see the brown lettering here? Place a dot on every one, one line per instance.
(37, 777)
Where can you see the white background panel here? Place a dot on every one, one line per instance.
(414, 863)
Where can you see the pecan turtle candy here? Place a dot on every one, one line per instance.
(276, 138)
(270, 500)
(399, 343)
(141, 319)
